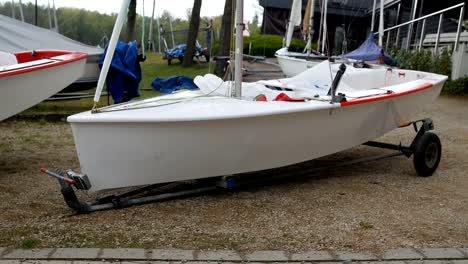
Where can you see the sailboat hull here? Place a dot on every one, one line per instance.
(35, 79)
(291, 66)
(120, 152)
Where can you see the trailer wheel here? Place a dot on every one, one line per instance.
(169, 61)
(427, 154)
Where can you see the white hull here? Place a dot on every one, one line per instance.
(91, 70)
(19, 92)
(293, 66)
(293, 63)
(214, 136)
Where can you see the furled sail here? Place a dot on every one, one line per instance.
(294, 20)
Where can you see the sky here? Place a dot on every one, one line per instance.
(178, 8)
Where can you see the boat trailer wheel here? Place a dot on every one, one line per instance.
(427, 154)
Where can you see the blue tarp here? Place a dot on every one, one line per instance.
(369, 51)
(172, 84)
(179, 51)
(125, 73)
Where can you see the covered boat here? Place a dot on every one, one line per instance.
(27, 78)
(370, 52)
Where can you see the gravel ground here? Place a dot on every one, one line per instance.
(372, 206)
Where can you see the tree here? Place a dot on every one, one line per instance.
(193, 33)
(254, 28)
(131, 21)
(225, 37)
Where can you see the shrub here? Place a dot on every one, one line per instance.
(267, 45)
(457, 87)
(423, 60)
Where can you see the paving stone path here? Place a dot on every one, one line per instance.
(136, 256)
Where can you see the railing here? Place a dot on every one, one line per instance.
(423, 18)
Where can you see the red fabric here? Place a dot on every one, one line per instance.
(286, 98)
(261, 98)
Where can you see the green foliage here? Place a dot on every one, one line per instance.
(423, 60)
(458, 87)
(30, 243)
(92, 27)
(267, 45)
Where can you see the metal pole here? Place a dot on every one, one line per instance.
(110, 50)
(55, 17)
(436, 48)
(159, 35)
(387, 42)
(422, 34)
(373, 17)
(172, 32)
(150, 33)
(13, 15)
(48, 13)
(325, 29)
(21, 11)
(239, 47)
(321, 26)
(460, 21)
(426, 16)
(398, 30)
(381, 23)
(410, 28)
(311, 27)
(35, 14)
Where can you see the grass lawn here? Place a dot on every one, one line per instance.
(153, 67)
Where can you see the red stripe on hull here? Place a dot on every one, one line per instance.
(386, 96)
(61, 57)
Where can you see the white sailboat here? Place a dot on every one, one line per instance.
(222, 130)
(293, 63)
(27, 78)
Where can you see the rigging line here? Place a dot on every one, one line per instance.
(354, 16)
(109, 108)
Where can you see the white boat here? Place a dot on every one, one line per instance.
(192, 135)
(17, 36)
(28, 78)
(293, 63)
(211, 132)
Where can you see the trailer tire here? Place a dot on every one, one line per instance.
(427, 154)
(169, 61)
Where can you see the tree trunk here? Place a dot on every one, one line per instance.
(225, 38)
(131, 20)
(193, 33)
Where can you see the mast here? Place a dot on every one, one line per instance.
(381, 23)
(373, 17)
(48, 13)
(311, 5)
(239, 48)
(55, 17)
(21, 11)
(150, 33)
(159, 34)
(325, 30)
(320, 27)
(172, 32)
(13, 15)
(110, 51)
